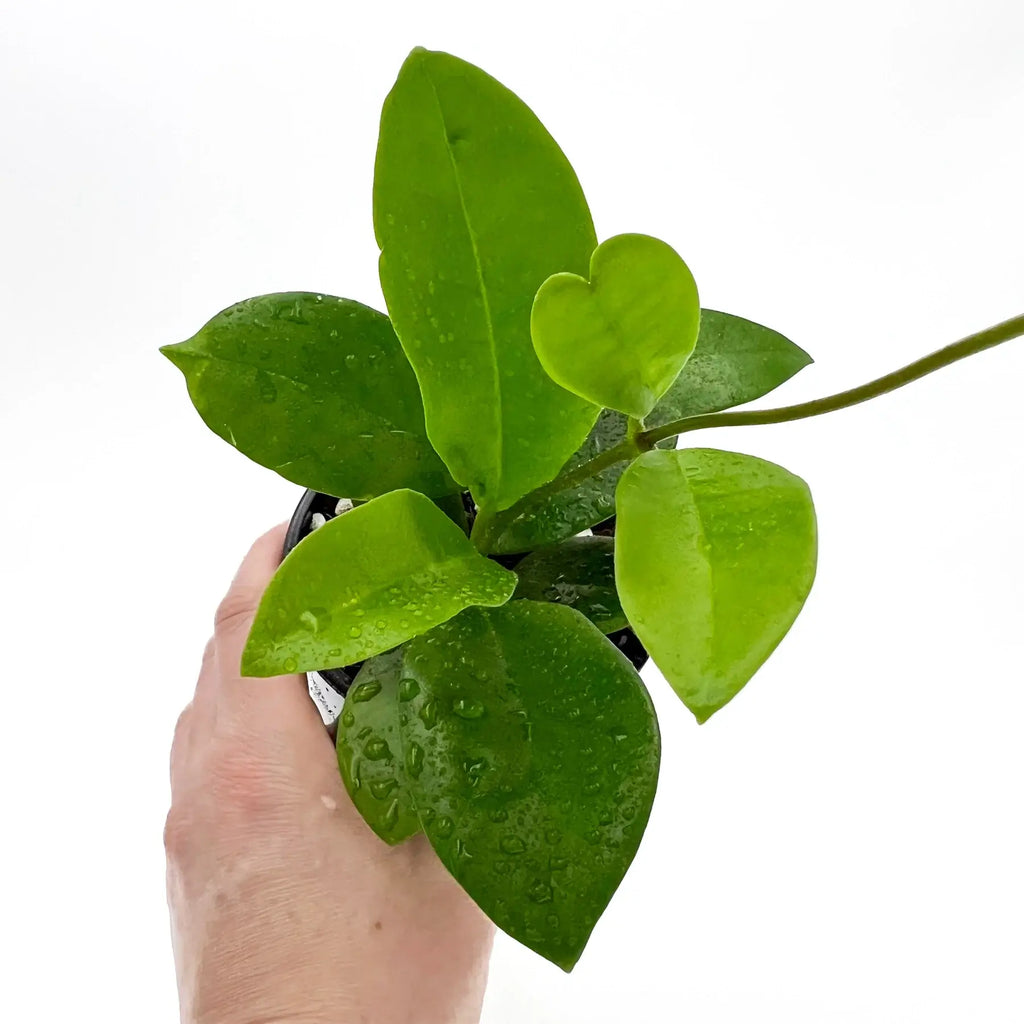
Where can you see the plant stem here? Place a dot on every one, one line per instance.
(638, 440)
(968, 346)
(483, 520)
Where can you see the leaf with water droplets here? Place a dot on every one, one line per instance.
(366, 582)
(734, 362)
(715, 554)
(474, 206)
(545, 788)
(370, 750)
(316, 388)
(579, 572)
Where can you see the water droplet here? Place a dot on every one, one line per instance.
(290, 664)
(377, 749)
(414, 760)
(593, 837)
(390, 818)
(348, 719)
(382, 788)
(350, 361)
(315, 619)
(512, 844)
(443, 826)
(428, 713)
(468, 707)
(364, 692)
(552, 920)
(591, 788)
(408, 688)
(540, 892)
(558, 863)
(498, 815)
(474, 769)
(553, 836)
(355, 632)
(617, 733)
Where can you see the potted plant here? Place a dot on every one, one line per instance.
(498, 526)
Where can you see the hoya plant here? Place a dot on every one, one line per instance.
(507, 438)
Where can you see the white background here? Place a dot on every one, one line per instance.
(841, 844)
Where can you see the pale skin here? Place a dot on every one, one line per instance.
(285, 907)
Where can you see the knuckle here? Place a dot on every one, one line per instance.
(243, 781)
(235, 611)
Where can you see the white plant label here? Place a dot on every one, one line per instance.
(325, 697)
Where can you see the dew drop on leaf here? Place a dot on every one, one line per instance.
(364, 692)
(468, 707)
(408, 688)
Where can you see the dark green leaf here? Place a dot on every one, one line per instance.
(579, 572)
(532, 748)
(366, 582)
(316, 388)
(735, 361)
(619, 338)
(715, 554)
(474, 207)
(370, 749)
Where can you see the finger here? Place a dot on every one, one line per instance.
(271, 698)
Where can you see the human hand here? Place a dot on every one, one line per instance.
(285, 907)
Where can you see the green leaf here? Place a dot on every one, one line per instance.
(715, 554)
(370, 749)
(367, 581)
(532, 748)
(580, 573)
(735, 361)
(474, 206)
(620, 338)
(316, 388)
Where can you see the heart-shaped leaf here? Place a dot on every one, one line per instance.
(735, 361)
(620, 338)
(715, 554)
(370, 749)
(316, 388)
(532, 749)
(580, 573)
(366, 582)
(474, 205)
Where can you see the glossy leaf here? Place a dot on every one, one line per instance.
(580, 573)
(316, 388)
(370, 749)
(366, 582)
(619, 337)
(735, 361)
(474, 207)
(532, 749)
(715, 554)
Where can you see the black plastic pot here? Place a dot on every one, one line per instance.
(338, 679)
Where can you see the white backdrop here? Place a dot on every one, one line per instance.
(842, 843)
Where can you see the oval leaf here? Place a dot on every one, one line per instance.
(715, 554)
(580, 573)
(735, 361)
(474, 205)
(532, 749)
(370, 749)
(620, 338)
(316, 388)
(366, 582)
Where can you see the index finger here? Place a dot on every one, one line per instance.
(278, 695)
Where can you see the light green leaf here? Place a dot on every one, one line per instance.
(474, 205)
(735, 361)
(370, 749)
(715, 554)
(316, 388)
(366, 582)
(620, 338)
(580, 573)
(532, 748)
